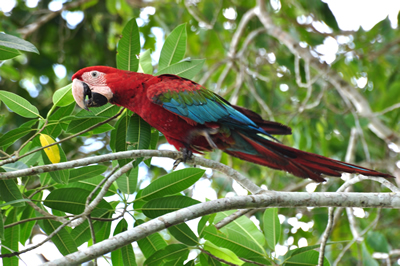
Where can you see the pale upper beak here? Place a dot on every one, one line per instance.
(97, 96)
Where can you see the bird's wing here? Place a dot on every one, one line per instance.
(192, 101)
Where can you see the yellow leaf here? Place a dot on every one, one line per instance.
(52, 152)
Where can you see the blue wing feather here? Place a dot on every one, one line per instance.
(191, 100)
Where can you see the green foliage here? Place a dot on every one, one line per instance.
(124, 255)
(129, 47)
(9, 46)
(110, 35)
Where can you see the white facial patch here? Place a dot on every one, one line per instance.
(78, 93)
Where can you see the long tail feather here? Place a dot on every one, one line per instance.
(299, 163)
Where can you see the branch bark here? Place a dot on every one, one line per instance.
(271, 199)
(245, 182)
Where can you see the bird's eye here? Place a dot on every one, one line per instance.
(94, 74)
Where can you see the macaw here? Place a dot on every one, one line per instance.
(194, 119)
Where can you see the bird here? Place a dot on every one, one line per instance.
(196, 120)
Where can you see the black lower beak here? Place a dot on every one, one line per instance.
(94, 99)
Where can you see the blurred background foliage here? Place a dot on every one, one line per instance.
(262, 76)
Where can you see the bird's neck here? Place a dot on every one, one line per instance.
(128, 88)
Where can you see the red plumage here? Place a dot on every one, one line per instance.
(195, 119)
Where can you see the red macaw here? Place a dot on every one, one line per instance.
(194, 119)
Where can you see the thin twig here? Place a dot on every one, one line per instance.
(92, 233)
(41, 243)
(31, 138)
(14, 159)
(107, 184)
(32, 219)
(45, 213)
(389, 109)
(373, 224)
(231, 218)
(260, 101)
(29, 29)
(216, 258)
(325, 237)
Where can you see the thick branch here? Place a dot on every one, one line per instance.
(272, 199)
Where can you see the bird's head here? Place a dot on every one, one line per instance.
(93, 82)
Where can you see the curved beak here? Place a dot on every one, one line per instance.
(80, 90)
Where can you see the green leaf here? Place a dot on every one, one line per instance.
(11, 238)
(8, 53)
(120, 137)
(26, 228)
(9, 192)
(367, 259)
(145, 63)
(129, 47)
(14, 202)
(2, 228)
(378, 242)
(104, 232)
(86, 172)
(71, 200)
(272, 227)
(309, 257)
(139, 133)
(91, 183)
(45, 179)
(17, 43)
(14, 166)
(63, 240)
(160, 206)
(150, 244)
(153, 143)
(222, 253)
(295, 252)
(184, 234)
(81, 124)
(238, 243)
(205, 221)
(172, 183)
(205, 259)
(174, 47)
(34, 157)
(184, 69)
(106, 110)
(63, 97)
(81, 233)
(13, 135)
(127, 183)
(128, 256)
(53, 129)
(19, 105)
(244, 226)
(171, 252)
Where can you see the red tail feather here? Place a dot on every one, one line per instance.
(299, 163)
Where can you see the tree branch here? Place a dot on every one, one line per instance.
(196, 160)
(272, 199)
(358, 100)
(29, 29)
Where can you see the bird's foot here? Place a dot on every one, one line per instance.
(187, 154)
